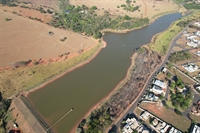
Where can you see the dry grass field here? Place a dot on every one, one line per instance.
(168, 115)
(24, 39)
(148, 8)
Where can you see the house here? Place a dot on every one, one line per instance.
(164, 70)
(160, 84)
(145, 115)
(140, 128)
(196, 129)
(151, 97)
(132, 124)
(192, 44)
(157, 90)
(191, 37)
(191, 67)
(196, 109)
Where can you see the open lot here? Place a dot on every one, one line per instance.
(167, 115)
(148, 8)
(25, 39)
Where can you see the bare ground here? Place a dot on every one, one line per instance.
(24, 39)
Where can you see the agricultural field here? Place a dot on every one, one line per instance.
(147, 8)
(33, 40)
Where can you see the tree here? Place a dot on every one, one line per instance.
(97, 35)
(177, 112)
(93, 7)
(172, 84)
(126, 17)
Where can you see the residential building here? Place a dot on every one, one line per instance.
(196, 129)
(191, 67)
(192, 44)
(196, 109)
(164, 69)
(145, 115)
(157, 90)
(151, 97)
(160, 84)
(132, 124)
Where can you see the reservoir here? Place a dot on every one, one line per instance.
(82, 88)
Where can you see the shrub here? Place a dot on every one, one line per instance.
(8, 19)
(94, 8)
(177, 112)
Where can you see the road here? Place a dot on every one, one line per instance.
(130, 109)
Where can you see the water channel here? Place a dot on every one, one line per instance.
(87, 85)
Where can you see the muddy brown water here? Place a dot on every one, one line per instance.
(87, 85)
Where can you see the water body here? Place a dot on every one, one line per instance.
(87, 85)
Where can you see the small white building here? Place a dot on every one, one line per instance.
(157, 90)
(164, 69)
(160, 84)
(190, 67)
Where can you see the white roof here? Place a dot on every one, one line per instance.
(160, 83)
(145, 115)
(196, 129)
(157, 89)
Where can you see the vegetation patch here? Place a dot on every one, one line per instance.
(180, 56)
(84, 20)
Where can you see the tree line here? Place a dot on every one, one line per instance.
(84, 20)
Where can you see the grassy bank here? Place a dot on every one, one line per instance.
(161, 41)
(25, 78)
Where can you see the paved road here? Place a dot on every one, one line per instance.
(130, 109)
